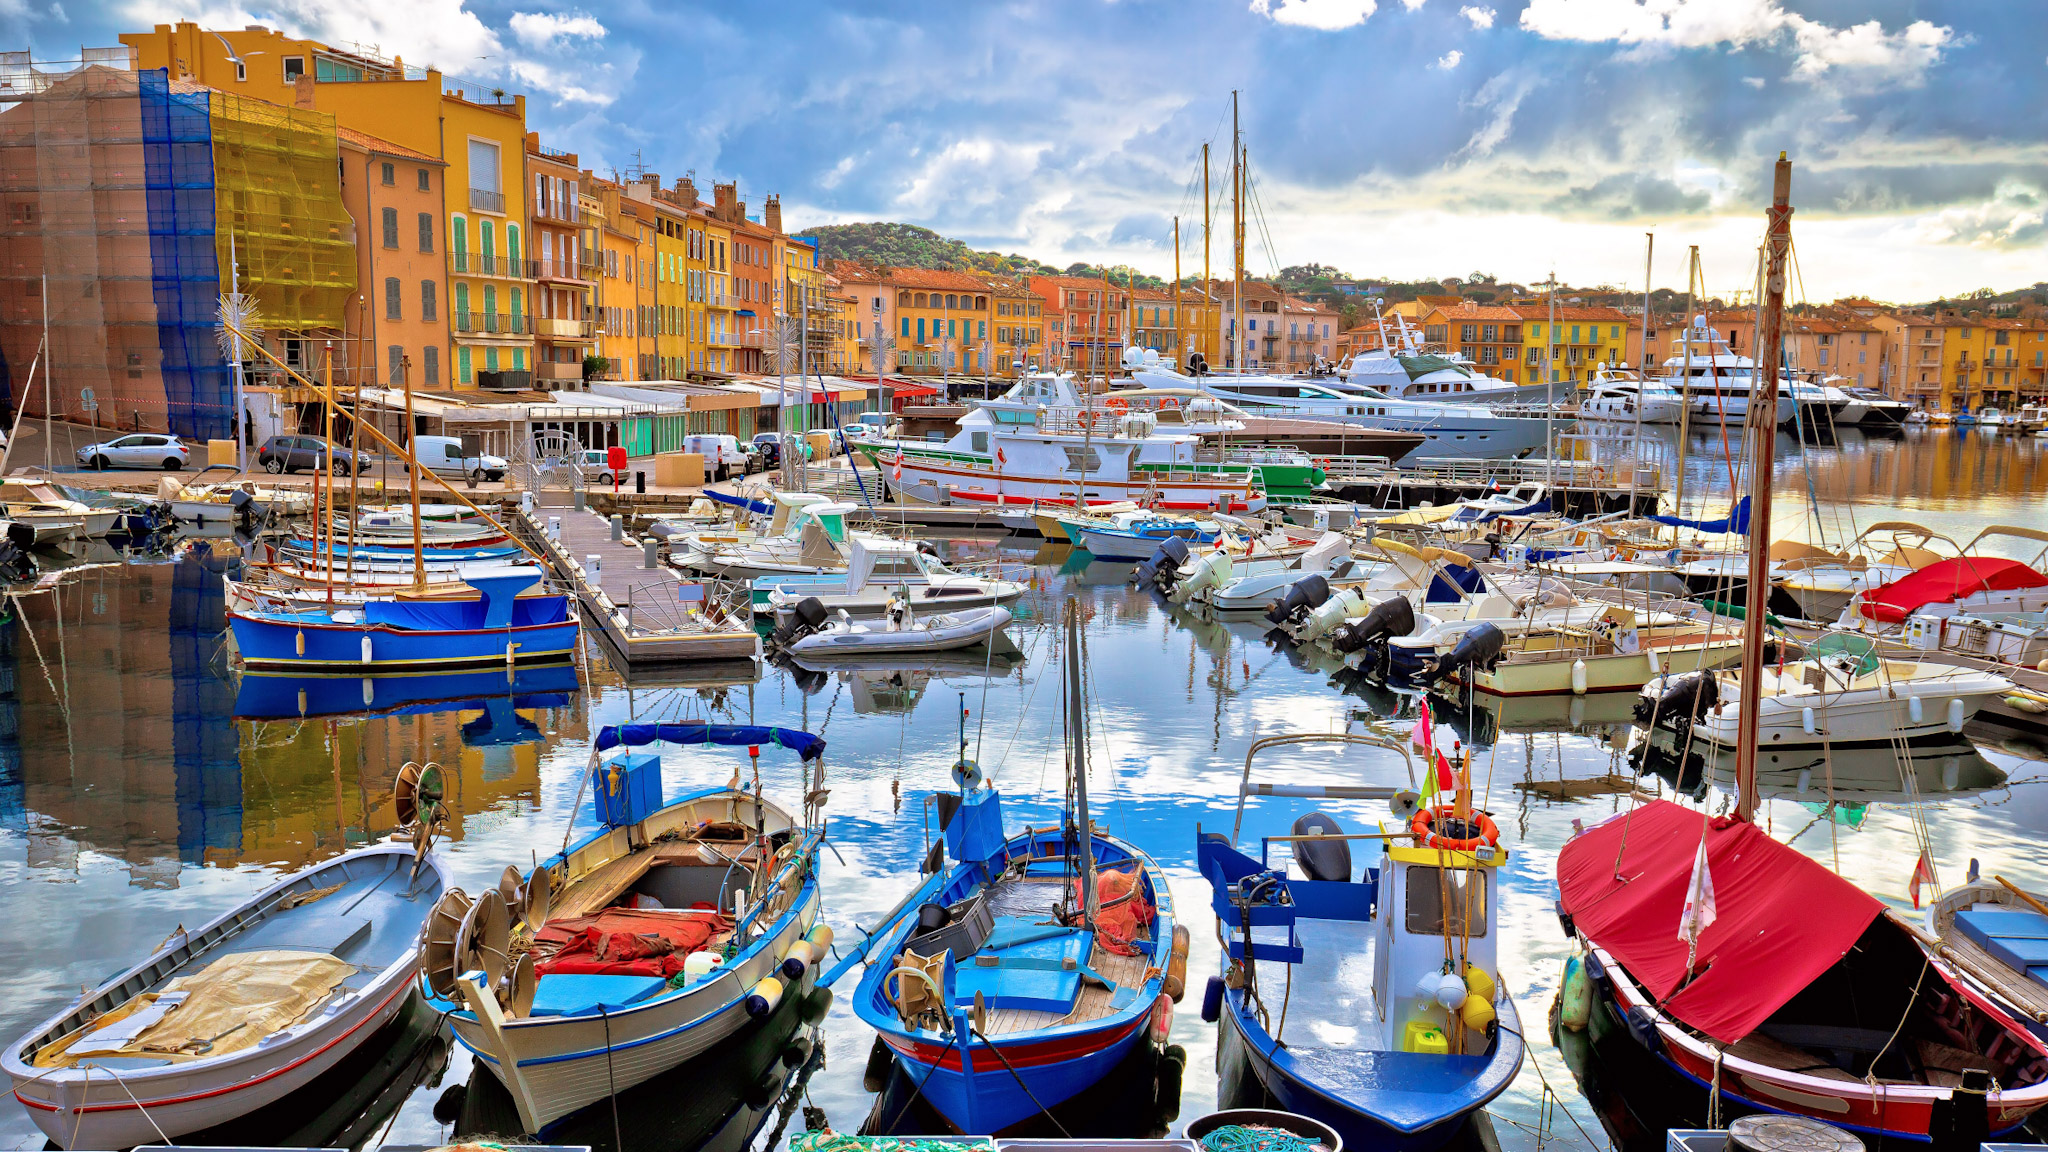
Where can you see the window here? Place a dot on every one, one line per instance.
(458, 239)
(462, 372)
(391, 301)
(427, 302)
(294, 67)
(241, 70)
(484, 172)
(1468, 333)
(1488, 333)
(1081, 459)
(426, 231)
(1614, 332)
(426, 181)
(390, 173)
(390, 227)
(395, 364)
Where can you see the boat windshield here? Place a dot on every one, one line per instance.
(1434, 891)
(1861, 651)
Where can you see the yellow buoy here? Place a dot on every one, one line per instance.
(1476, 1012)
(1479, 982)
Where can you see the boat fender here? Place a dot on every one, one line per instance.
(1175, 982)
(1578, 677)
(1451, 991)
(302, 652)
(366, 649)
(763, 997)
(1212, 1000)
(1479, 982)
(881, 1058)
(1575, 998)
(1915, 710)
(1644, 1029)
(1955, 715)
(796, 960)
(1806, 722)
(1564, 920)
(1595, 968)
(820, 937)
(1476, 1012)
(1162, 1018)
(797, 1053)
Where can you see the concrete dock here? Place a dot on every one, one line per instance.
(647, 612)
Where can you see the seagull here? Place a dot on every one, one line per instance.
(232, 57)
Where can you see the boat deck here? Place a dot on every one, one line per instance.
(610, 880)
(1327, 998)
(1038, 896)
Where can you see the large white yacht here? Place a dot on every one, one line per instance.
(1718, 384)
(1042, 442)
(1403, 368)
(1449, 431)
(1628, 396)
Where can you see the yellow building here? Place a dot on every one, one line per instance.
(1573, 339)
(625, 286)
(1019, 323)
(1960, 363)
(482, 141)
(714, 344)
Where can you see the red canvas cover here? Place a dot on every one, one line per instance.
(625, 942)
(1946, 580)
(1781, 921)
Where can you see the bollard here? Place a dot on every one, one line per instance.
(618, 527)
(579, 499)
(639, 483)
(526, 503)
(554, 527)
(593, 566)
(649, 548)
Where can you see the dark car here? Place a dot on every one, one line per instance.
(281, 454)
(768, 447)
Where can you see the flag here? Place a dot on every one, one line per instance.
(1923, 873)
(1000, 458)
(1698, 913)
(1440, 778)
(1422, 736)
(896, 468)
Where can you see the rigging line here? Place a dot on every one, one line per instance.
(1258, 212)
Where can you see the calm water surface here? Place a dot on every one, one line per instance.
(133, 801)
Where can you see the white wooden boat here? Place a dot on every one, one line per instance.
(232, 1016)
(878, 570)
(597, 1025)
(899, 632)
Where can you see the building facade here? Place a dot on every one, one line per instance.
(564, 267)
(395, 195)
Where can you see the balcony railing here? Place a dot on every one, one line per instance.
(485, 200)
(591, 264)
(505, 381)
(559, 213)
(491, 264)
(557, 329)
(560, 270)
(493, 324)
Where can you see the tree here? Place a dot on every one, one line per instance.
(595, 366)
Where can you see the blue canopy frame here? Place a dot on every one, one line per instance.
(797, 740)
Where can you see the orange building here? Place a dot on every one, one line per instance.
(1086, 320)
(394, 195)
(563, 266)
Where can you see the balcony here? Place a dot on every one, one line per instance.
(492, 324)
(491, 264)
(505, 381)
(553, 373)
(484, 200)
(590, 264)
(568, 270)
(557, 213)
(564, 329)
(718, 300)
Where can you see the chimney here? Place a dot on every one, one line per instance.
(302, 91)
(771, 213)
(686, 191)
(725, 197)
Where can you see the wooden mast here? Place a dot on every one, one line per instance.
(412, 471)
(1179, 341)
(1236, 234)
(1077, 752)
(1207, 285)
(325, 519)
(1762, 428)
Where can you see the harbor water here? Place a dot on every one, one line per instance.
(143, 787)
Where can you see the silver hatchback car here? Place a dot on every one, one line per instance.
(137, 450)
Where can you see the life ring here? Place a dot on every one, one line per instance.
(1599, 474)
(1424, 827)
(1086, 419)
(1170, 402)
(1117, 403)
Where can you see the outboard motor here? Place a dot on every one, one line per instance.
(1325, 617)
(1198, 365)
(1162, 571)
(1395, 617)
(1479, 649)
(1304, 596)
(1322, 859)
(15, 561)
(1684, 700)
(808, 617)
(242, 507)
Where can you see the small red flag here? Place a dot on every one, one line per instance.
(1923, 873)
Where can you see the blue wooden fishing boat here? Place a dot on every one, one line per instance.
(1370, 1003)
(491, 692)
(318, 551)
(1029, 965)
(498, 628)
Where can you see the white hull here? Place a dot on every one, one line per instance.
(1876, 714)
(946, 633)
(931, 480)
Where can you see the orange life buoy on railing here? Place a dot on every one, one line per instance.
(1086, 419)
(1117, 403)
(1170, 402)
(1599, 474)
(1426, 835)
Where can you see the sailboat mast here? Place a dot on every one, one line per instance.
(1178, 342)
(412, 473)
(1077, 759)
(1692, 270)
(1236, 232)
(1763, 428)
(1208, 285)
(1635, 470)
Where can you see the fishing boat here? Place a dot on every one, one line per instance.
(499, 627)
(1997, 933)
(1369, 1002)
(1764, 979)
(398, 550)
(1842, 694)
(877, 571)
(1136, 535)
(232, 1016)
(811, 633)
(1030, 964)
(660, 936)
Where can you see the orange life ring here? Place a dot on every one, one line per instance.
(1599, 475)
(1424, 827)
(1170, 402)
(1086, 419)
(1117, 403)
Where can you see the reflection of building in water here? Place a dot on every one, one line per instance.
(203, 744)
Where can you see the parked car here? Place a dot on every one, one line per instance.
(281, 454)
(137, 450)
(768, 446)
(596, 466)
(443, 454)
(722, 454)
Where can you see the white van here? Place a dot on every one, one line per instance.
(443, 454)
(722, 454)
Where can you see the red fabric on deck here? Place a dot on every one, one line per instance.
(626, 941)
(1782, 919)
(1946, 580)
(1117, 925)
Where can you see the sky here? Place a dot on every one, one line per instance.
(1393, 139)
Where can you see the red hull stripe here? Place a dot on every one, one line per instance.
(1024, 1055)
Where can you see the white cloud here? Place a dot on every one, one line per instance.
(1754, 81)
(1481, 18)
(1866, 52)
(545, 30)
(1449, 60)
(1503, 96)
(2015, 215)
(1325, 15)
(1413, 5)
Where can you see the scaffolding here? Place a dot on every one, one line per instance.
(119, 194)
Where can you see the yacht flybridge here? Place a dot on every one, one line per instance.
(1042, 442)
(1717, 383)
(1404, 368)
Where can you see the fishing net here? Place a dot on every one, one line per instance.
(1123, 915)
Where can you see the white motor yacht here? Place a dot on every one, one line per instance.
(1628, 396)
(1413, 371)
(1716, 383)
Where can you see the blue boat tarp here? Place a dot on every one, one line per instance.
(1737, 520)
(731, 735)
(759, 506)
(464, 615)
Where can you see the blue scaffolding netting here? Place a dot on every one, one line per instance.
(177, 147)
